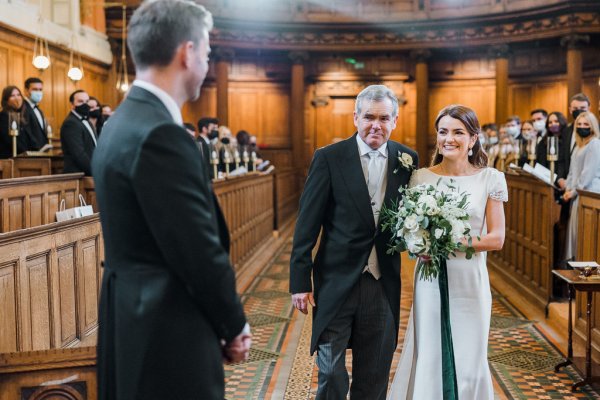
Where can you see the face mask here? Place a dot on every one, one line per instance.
(213, 134)
(225, 140)
(36, 96)
(512, 131)
(554, 128)
(494, 140)
(576, 113)
(482, 140)
(539, 125)
(529, 135)
(83, 110)
(97, 113)
(584, 132)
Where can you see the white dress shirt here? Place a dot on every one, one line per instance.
(86, 123)
(377, 199)
(164, 97)
(37, 112)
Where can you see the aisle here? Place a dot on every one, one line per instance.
(521, 357)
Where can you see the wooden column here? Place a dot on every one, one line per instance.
(223, 57)
(297, 107)
(574, 43)
(500, 53)
(422, 82)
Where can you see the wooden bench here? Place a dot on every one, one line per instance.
(24, 167)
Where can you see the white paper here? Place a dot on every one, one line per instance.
(583, 264)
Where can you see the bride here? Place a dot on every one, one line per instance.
(458, 157)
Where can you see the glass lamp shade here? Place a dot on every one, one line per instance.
(41, 62)
(75, 74)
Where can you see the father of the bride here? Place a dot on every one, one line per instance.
(356, 295)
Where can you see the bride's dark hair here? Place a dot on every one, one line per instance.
(469, 119)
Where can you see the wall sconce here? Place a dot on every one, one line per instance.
(122, 76)
(41, 53)
(75, 72)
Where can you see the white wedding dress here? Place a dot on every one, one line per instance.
(419, 372)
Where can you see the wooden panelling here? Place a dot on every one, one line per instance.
(24, 167)
(247, 203)
(588, 249)
(34, 201)
(287, 195)
(6, 169)
(51, 275)
(526, 260)
(16, 52)
(551, 95)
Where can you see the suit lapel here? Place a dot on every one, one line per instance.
(394, 179)
(354, 178)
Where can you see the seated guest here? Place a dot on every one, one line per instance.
(37, 125)
(95, 118)
(584, 173)
(77, 135)
(12, 110)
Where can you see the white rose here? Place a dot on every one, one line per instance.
(411, 224)
(438, 233)
(430, 204)
(458, 230)
(418, 242)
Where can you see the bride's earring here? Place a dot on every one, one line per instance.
(470, 152)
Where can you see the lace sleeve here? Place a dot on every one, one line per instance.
(497, 187)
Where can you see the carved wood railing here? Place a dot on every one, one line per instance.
(527, 258)
(247, 203)
(287, 194)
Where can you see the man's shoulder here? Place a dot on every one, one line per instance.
(401, 147)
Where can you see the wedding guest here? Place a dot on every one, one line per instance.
(529, 135)
(584, 173)
(169, 312)
(95, 117)
(37, 126)
(555, 125)
(579, 103)
(12, 110)
(208, 134)
(78, 136)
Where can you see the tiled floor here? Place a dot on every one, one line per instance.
(521, 357)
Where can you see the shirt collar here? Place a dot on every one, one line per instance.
(31, 103)
(164, 97)
(364, 148)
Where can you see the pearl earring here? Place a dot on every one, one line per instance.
(470, 152)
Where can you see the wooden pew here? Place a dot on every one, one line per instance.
(6, 168)
(527, 259)
(588, 249)
(287, 195)
(50, 279)
(88, 189)
(33, 201)
(24, 167)
(247, 203)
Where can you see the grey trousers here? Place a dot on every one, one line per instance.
(367, 320)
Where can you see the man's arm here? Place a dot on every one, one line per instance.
(176, 201)
(313, 204)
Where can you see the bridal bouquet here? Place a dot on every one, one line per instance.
(429, 222)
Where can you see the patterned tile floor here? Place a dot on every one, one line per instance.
(521, 358)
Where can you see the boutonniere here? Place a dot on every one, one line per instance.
(406, 161)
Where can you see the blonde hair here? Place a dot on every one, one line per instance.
(593, 125)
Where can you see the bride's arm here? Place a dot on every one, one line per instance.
(494, 239)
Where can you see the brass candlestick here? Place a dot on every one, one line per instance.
(531, 156)
(236, 157)
(552, 155)
(214, 160)
(502, 156)
(245, 159)
(14, 132)
(226, 160)
(253, 160)
(49, 133)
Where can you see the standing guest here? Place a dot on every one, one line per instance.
(579, 103)
(95, 118)
(169, 311)
(106, 112)
(12, 110)
(356, 292)
(529, 135)
(36, 123)
(207, 134)
(539, 117)
(584, 173)
(77, 135)
(513, 127)
(556, 123)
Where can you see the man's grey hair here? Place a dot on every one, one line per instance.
(376, 93)
(158, 27)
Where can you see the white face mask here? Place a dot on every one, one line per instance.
(529, 136)
(482, 140)
(493, 140)
(512, 131)
(539, 125)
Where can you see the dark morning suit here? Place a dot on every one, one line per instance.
(565, 150)
(166, 302)
(336, 199)
(205, 148)
(77, 145)
(36, 133)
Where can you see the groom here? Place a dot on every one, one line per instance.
(356, 295)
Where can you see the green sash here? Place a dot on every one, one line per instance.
(448, 367)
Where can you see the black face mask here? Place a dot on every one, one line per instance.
(83, 110)
(97, 113)
(213, 134)
(576, 113)
(584, 132)
(225, 140)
